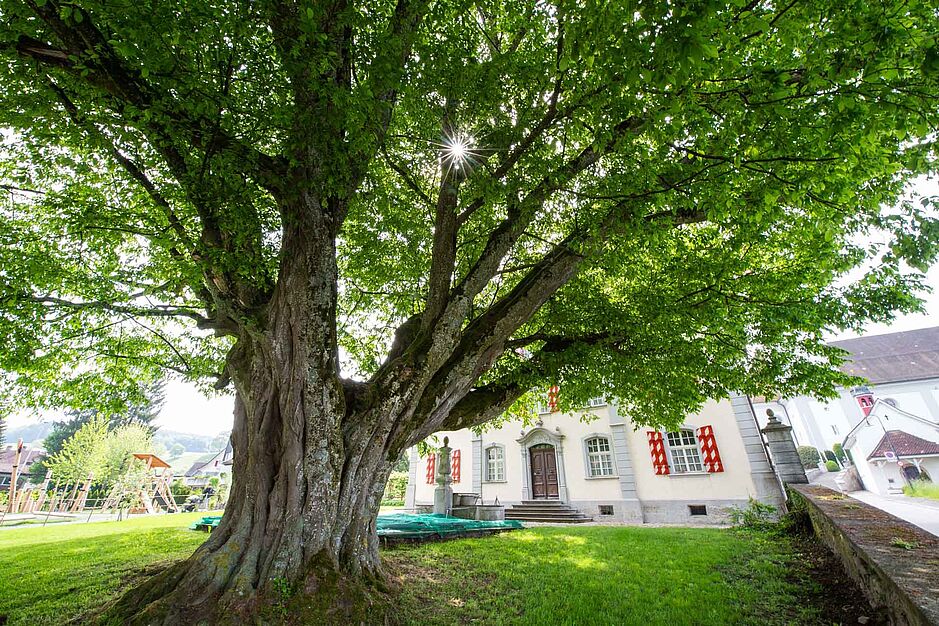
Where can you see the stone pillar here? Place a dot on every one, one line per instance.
(410, 494)
(443, 493)
(783, 451)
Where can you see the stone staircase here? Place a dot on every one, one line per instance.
(552, 511)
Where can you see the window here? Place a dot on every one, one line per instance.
(697, 509)
(606, 509)
(684, 450)
(599, 459)
(596, 402)
(495, 464)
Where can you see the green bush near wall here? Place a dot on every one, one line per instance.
(809, 457)
(396, 486)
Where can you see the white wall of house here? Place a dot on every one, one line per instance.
(633, 490)
(884, 477)
(824, 423)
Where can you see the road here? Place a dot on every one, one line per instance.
(919, 511)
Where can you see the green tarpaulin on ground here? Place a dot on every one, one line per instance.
(417, 526)
(410, 526)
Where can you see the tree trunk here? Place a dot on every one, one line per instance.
(297, 542)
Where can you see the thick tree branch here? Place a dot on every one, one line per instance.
(443, 252)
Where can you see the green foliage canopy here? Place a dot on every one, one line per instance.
(714, 171)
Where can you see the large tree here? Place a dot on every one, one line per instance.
(458, 202)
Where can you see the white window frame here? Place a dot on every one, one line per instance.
(499, 461)
(682, 451)
(595, 402)
(608, 453)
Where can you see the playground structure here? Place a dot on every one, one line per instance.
(145, 489)
(153, 490)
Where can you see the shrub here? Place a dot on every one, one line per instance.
(831, 456)
(757, 515)
(179, 488)
(840, 454)
(396, 486)
(922, 489)
(832, 466)
(809, 457)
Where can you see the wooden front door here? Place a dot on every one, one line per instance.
(544, 471)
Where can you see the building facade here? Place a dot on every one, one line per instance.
(902, 369)
(601, 464)
(891, 447)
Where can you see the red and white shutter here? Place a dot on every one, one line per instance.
(553, 398)
(431, 467)
(657, 449)
(711, 456)
(456, 466)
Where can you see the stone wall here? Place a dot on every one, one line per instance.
(895, 563)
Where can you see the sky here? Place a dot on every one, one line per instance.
(188, 410)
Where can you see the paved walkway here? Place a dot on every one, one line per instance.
(919, 511)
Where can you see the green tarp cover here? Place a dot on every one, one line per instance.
(206, 523)
(409, 525)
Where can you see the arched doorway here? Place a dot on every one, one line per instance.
(911, 472)
(544, 471)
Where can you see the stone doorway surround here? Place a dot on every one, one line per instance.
(541, 435)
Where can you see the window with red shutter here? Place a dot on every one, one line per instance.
(431, 468)
(657, 449)
(456, 466)
(709, 452)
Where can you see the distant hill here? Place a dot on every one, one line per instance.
(35, 433)
(31, 433)
(184, 461)
(192, 443)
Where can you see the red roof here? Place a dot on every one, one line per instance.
(27, 458)
(903, 444)
(151, 460)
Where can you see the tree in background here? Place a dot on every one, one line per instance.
(219, 442)
(142, 410)
(82, 455)
(101, 452)
(652, 202)
(177, 450)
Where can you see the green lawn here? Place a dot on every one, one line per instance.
(922, 489)
(585, 575)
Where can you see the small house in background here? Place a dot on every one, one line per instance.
(565, 468)
(28, 456)
(891, 447)
(901, 368)
(199, 474)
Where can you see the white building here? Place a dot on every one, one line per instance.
(902, 370)
(598, 464)
(891, 447)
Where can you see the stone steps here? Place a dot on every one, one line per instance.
(545, 511)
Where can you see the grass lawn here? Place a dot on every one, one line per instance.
(546, 575)
(922, 489)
